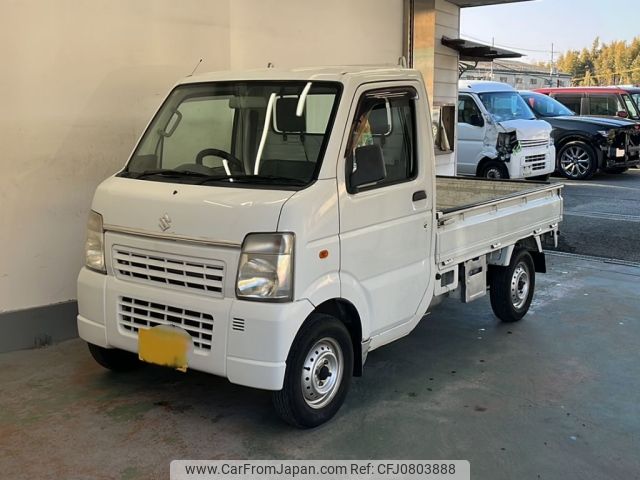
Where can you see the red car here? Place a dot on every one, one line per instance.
(603, 101)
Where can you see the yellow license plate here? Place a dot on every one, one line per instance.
(164, 345)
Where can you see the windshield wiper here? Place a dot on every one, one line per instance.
(261, 179)
(167, 172)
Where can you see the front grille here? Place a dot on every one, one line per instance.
(175, 271)
(539, 166)
(534, 143)
(535, 158)
(134, 314)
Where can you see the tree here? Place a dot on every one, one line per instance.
(603, 64)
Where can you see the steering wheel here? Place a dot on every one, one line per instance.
(236, 162)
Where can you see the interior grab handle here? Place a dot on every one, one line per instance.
(419, 195)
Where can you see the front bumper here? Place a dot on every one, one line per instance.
(620, 157)
(250, 340)
(532, 162)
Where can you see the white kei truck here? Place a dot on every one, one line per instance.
(499, 136)
(274, 227)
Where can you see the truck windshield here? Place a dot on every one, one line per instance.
(238, 133)
(505, 106)
(545, 106)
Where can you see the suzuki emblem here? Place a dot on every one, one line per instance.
(164, 222)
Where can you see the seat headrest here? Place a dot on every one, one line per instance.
(286, 118)
(378, 120)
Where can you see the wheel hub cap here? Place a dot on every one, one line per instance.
(322, 373)
(575, 161)
(519, 286)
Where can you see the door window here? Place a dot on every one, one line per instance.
(468, 112)
(605, 104)
(386, 118)
(572, 102)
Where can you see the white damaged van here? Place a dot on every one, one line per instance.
(499, 136)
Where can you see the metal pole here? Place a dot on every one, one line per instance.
(492, 45)
(551, 67)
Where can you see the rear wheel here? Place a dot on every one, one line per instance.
(114, 359)
(577, 161)
(318, 374)
(495, 170)
(511, 287)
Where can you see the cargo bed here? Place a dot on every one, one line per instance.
(477, 216)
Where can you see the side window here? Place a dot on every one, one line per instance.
(572, 102)
(468, 111)
(386, 118)
(604, 105)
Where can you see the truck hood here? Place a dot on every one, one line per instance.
(526, 129)
(198, 212)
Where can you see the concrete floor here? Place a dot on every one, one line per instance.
(556, 396)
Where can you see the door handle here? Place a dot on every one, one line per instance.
(419, 195)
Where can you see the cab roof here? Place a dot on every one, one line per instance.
(482, 86)
(330, 73)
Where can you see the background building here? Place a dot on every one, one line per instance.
(520, 75)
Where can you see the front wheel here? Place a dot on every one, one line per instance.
(577, 161)
(318, 374)
(511, 287)
(495, 170)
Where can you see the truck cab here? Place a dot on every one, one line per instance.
(274, 227)
(499, 136)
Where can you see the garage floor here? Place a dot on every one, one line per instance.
(556, 396)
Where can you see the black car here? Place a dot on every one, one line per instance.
(585, 144)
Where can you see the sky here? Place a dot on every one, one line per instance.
(568, 24)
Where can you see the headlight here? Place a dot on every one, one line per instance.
(94, 245)
(265, 271)
(551, 141)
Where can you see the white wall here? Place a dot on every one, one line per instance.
(292, 33)
(80, 80)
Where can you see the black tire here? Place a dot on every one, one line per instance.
(114, 359)
(325, 333)
(616, 170)
(495, 170)
(577, 160)
(508, 305)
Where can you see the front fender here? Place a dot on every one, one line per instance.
(354, 293)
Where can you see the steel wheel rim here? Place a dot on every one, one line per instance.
(520, 284)
(575, 161)
(322, 373)
(493, 172)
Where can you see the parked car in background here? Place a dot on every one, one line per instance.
(634, 91)
(607, 101)
(585, 144)
(499, 136)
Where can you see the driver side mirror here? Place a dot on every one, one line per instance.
(622, 114)
(367, 166)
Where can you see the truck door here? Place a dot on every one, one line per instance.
(385, 227)
(471, 133)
